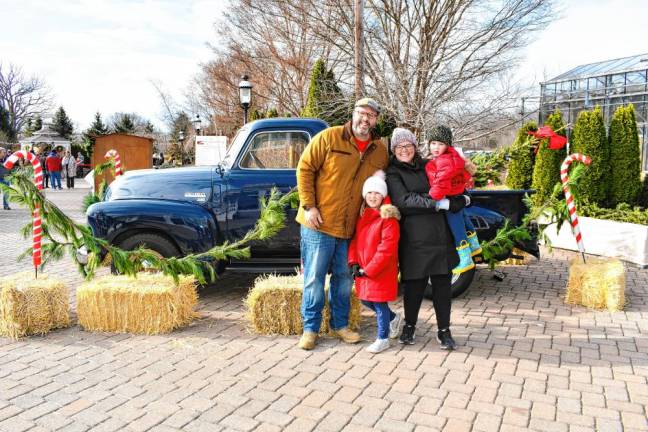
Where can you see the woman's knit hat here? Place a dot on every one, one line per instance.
(375, 183)
(440, 133)
(401, 135)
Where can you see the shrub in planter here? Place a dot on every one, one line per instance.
(520, 170)
(546, 172)
(625, 157)
(589, 139)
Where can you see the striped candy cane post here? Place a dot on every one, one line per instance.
(571, 207)
(114, 154)
(37, 231)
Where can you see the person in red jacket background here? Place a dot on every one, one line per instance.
(54, 166)
(448, 176)
(373, 258)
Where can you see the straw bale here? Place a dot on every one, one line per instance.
(149, 304)
(32, 306)
(274, 306)
(597, 284)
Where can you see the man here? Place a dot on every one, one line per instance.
(330, 175)
(3, 173)
(54, 166)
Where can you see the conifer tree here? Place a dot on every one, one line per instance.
(589, 139)
(520, 169)
(124, 124)
(38, 123)
(62, 124)
(546, 171)
(325, 99)
(5, 128)
(625, 157)
(97, 128)
(272, 113)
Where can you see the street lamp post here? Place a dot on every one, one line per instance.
(197, 124)
(181, 138)
(245, 94)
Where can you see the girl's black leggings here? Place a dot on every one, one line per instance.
(413, 290)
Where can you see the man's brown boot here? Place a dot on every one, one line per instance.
(347, 335)
(308, 340)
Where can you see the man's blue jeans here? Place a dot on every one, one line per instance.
(321, 254)
(56, 179)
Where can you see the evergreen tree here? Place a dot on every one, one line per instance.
(325, 99)
(29, 128)
(5, 126)
(385, 125)
(97, 128)
(625, 157)
(589, 139)
(272, 113)
(62, 124)
(255, 114)
(546, 171)
(124, 124)
(520, 169)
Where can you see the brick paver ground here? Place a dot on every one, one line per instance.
(526, 361)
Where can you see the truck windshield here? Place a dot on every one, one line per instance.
(235, 147)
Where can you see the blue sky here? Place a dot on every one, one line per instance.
(102, 55)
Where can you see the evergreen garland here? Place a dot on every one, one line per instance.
(64, 235)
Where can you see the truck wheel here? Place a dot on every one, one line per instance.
(155, 242)
(459, 284)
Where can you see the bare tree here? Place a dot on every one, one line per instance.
(22, 97)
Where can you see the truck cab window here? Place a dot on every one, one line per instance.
(275, 150)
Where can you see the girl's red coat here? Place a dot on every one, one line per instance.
(447, 174)
(375, 248)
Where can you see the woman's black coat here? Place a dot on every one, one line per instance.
(426, 246)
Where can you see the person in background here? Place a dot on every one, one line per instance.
(80, 159)
(3, 174)
(69, 168)
(42, 158)
(54, 166)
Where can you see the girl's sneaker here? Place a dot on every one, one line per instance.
(465, 260)
(473, 241)
(394, 326)
(379, 345)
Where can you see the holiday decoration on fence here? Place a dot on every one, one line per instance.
(38, 182)
(273, 306)
(114, 154)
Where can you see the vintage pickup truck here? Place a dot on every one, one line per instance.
(187, 210)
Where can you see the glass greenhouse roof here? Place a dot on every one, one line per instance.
(624, 64)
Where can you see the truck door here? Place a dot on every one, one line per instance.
(268, 160)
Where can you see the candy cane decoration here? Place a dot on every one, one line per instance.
(114, 154)
(37, 231)
(571, 207)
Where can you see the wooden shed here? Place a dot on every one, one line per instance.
(136, 152)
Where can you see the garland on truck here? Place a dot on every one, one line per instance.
(65, 235)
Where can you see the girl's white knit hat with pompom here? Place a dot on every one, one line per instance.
(375, 183)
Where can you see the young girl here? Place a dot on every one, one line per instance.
(373, 258)
(448, 175)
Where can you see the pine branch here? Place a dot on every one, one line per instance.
(64, 235)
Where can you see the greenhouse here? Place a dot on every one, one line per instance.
(609, 84)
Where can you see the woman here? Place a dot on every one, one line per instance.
(69, 169)
(426, 247)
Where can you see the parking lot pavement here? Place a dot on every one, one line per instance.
(526, 361)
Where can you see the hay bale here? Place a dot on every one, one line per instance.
(149, 304)
(32, 306)
(597, 284)
(273, 306)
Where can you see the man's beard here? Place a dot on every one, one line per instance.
(361, 130)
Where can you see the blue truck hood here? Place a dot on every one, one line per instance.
(192, 184)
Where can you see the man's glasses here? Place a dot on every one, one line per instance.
(368, 115)
(403, 147)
